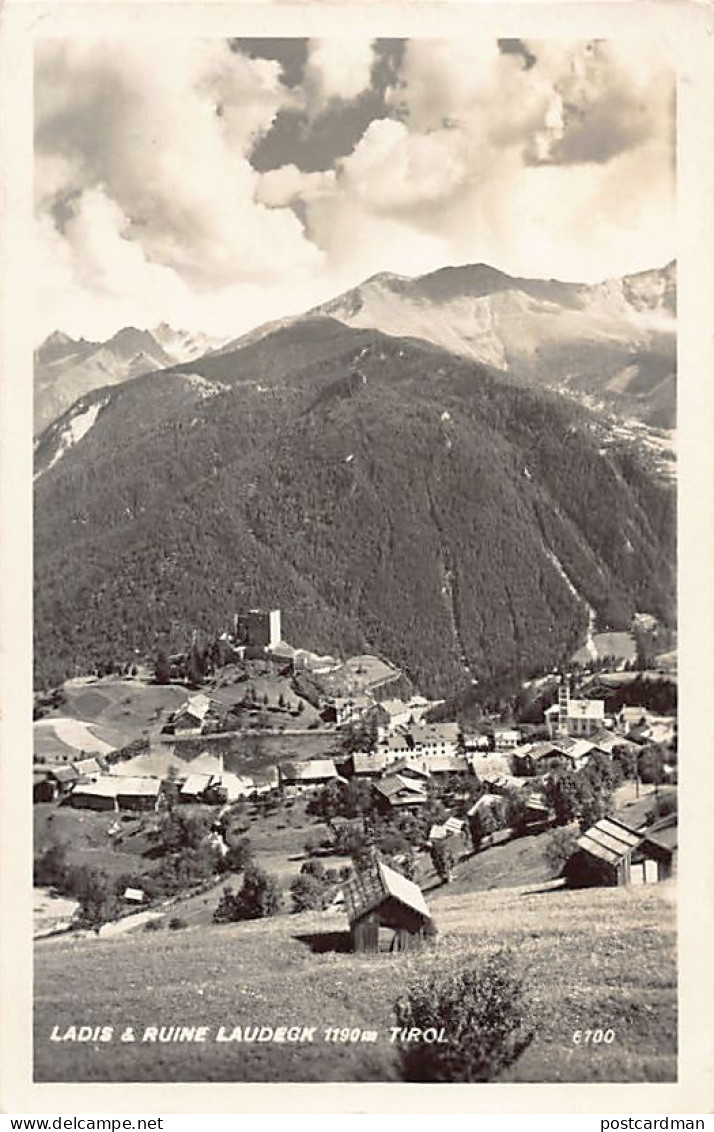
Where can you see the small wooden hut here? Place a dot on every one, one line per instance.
(604, 855)
(386, 911)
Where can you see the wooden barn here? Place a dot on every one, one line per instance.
(604, 855)
(386, 911)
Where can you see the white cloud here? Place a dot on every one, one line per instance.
(563, 168)
(280, 187)
(143, 159)
(392, 169)
(337, 69)
(150, 207)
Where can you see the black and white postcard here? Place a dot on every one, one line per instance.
(357, 493)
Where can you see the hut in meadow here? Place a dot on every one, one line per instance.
(386, 911)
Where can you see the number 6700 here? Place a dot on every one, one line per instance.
(593, 1037)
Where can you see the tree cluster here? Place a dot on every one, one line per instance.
(259, 896)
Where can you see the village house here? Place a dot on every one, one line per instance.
(422, 741)
(642, 726)
(228, 787)
(386, 912)
(506, 738)
(575, 718)
(113, 792)
(87, 768)
(297, 777)
(194, 787)
(537, 812)
(434, 740)
(138, 793)
(399, 792)
(133, 895)
(395, 746)
(366, 765)
(348, 709)
(447, 764)
(476, 743)
(98, 795)
(609, 742)
(189, 718)
(541, 758)
(66, 778)
(391, 714)
(501, 783)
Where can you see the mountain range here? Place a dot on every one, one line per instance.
(66, 368)
(614, 343)
(387, 493)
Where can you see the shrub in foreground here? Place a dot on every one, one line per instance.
(483, 1013)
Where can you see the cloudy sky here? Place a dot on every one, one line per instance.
(218, 184)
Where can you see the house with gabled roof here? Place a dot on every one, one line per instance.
(87, 767)
(409, 768)
(430, 740)
(397, 792)
(113, 792)
(551, 754)
(448, 764)
(386, 911)
(309, 774)
(395, 746)
(195, 786)
(392, 713)
(228, 787)
(424, 741)
(365, 765)
(506, 738)
(609, 741)
(347, 709)
(189, 719)
(501, 783)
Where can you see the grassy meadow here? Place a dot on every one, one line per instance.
(594, 959)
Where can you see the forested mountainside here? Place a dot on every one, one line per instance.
(383, 493)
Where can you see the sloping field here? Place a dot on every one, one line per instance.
(602, 959)
(65, 737)
(619, 645)
(128, 704)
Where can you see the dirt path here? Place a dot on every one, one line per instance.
(127, 923)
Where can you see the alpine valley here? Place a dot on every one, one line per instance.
(465, 473)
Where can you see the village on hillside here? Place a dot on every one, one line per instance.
(333, 781)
